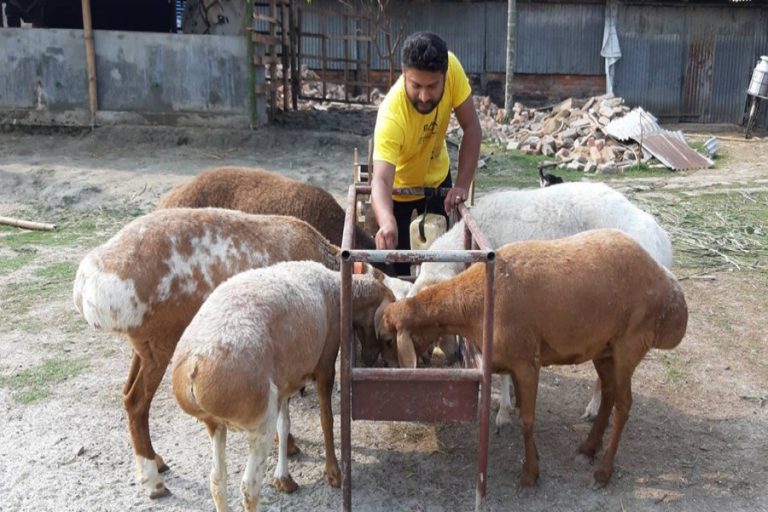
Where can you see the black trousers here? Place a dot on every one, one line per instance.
(403, 211)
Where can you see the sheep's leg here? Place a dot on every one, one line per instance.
(504, 416)
(218, 479)
(283, 481)
(293, 448)
(144, 377)
(526, 376)
(324, 390)
(623, 380)
(605, 372)
(590, 412)
(259, 444)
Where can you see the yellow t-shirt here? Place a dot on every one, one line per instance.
(413, 142)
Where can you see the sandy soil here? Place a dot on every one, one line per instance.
(697, 438)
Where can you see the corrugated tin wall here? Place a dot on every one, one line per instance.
(689, 63)
(681, 62)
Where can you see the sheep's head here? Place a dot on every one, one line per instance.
(398, 345)
(371, 297)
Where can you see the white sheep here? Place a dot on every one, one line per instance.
(546, 214)
(252, 345)
(150, 279)
(593, 296)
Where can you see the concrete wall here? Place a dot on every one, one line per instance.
(141, 77)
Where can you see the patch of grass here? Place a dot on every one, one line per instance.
(14, 263)
(717, 230)
(46, 283)
(511, 169)
(673, 367)
(72, 231)
(35, 384)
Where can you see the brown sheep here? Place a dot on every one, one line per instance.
(595, 296)
(259, 191)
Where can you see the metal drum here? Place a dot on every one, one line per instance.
(758, 86)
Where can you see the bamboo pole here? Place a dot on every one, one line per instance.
(90, 60)
(27, 224)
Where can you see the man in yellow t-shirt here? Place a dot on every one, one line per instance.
(409, 139)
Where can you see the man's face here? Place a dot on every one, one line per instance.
(424, 88)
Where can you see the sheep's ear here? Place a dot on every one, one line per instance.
(406, 353)
(377, 316)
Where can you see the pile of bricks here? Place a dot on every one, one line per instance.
(571, 133)
(312, 87)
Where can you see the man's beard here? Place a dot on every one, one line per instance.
(428, 107)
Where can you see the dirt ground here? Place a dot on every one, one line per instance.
(697, 438)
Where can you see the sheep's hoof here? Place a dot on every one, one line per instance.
(162, 467)
(528, 479)
(503, 419)
(588, 452)
(333, 476)
(286, 484)
(583, 460)
(161, 491)
(601, 478)
(293, 448)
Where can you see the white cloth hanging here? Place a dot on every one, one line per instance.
(610, 50)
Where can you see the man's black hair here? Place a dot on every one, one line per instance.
(425, 51)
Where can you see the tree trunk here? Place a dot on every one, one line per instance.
(511, 37)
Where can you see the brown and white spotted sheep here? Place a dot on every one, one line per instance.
(150, 279)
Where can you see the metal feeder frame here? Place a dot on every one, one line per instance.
(421, 394)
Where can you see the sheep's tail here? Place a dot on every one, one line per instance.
(104, 299)
(184, 373)
(673, 320)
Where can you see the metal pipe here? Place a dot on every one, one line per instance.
(347, 349)
(403, 256)
(348, 234)
(485, 391)
(346, 384)
(420, 374)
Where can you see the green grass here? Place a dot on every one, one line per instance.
(73, 230)
(53, 281)
(674, 367)
(715, 230)
(511, 169)
(14, 263)
(37, 383)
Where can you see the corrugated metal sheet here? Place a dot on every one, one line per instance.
(462, 26)
(650, 71)
(632, 125)
(677, 60)
(556, 38)
(671, 149)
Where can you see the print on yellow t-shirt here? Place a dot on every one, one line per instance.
(413, 142)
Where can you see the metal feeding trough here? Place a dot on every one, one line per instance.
(422, 394)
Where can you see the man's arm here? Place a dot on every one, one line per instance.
(469, 152)
(381, 200)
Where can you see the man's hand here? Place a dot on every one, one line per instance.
(386, 237)
(455, 196)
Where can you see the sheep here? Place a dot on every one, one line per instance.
(596, 296)
(150, 279)
(259, 191)
(252, 345)
(544, 214)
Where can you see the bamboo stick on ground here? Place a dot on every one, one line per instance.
(27, 224)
